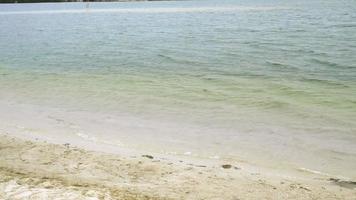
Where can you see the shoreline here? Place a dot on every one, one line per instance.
(37, 168)
(220, 100)
(74, 1)
(130, 134)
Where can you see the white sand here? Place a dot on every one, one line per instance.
(38, 170)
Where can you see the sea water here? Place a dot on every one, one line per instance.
(267, 82)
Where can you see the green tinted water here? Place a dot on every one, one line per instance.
(277, 79)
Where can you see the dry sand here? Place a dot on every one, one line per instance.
(39, 170)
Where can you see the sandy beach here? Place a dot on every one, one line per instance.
(39, 170)
(196, 100)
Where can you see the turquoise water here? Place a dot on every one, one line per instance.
(238, 79)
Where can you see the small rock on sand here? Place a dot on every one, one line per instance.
(148, 156)
(226, 166)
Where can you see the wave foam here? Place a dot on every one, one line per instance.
(97, 140)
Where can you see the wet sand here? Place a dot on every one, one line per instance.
(40, 170)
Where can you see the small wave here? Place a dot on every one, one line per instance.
(146, 10)
(281, 65)
(293, 91)
(323, 81)
(274, 104)
(321, 173)
(330, 64)
(243, 74)
(167, 57)
(314, 171)
(97, 140)
(276, 64)
(177, 60)
(350, 25)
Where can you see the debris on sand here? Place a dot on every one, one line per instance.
(343, 183)
(148, 156)
(226, 166)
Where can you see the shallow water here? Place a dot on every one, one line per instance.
(267, 82)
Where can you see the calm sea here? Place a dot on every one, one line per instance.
(270, 82)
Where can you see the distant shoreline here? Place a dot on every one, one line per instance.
(66, 1)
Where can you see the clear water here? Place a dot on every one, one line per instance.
(270, 82)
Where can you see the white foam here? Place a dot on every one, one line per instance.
(314, 171)
(215, 157)
(87, 137)
(96, 140)
(322, 173)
